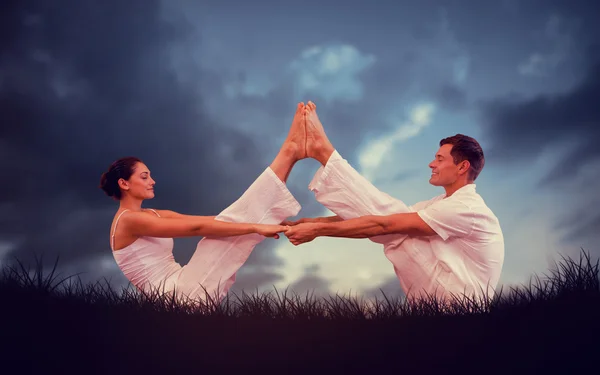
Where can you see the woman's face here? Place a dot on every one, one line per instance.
(140, 184)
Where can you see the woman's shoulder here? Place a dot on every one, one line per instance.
(152, 211)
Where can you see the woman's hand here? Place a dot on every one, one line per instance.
(270, 230)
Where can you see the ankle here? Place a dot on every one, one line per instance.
(289, 151)
(323, 154)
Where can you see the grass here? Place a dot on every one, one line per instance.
(54, 322)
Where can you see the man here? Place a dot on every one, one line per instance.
(450, 245)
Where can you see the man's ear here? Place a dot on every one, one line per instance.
(464, 167)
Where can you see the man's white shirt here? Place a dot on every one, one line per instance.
(468, 250)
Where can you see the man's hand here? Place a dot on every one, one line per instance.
(299, 221)
(302, 233)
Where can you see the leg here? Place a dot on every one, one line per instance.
(294, 148)
(339, 187)
(213, 267)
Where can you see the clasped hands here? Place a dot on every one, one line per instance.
(302, 230)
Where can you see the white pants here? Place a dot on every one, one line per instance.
(341, 189)
(212, 269)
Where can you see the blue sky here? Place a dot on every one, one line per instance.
(205, 94)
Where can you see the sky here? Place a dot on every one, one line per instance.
(204, 92)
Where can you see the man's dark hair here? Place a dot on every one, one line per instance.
(466, 148)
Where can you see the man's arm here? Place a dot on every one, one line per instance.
(362, 227)
(327, 219)
(445, 218)
(324, 219)
(375, 225)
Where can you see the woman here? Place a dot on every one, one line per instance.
(142, 239)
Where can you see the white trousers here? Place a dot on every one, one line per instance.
(341, 189)
(213, 267)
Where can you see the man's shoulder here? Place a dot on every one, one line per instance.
(470, 203)
(479, 208)
(426, 203)
(471, 198)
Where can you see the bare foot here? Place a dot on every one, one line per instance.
(318, 145)
(296, 139)
(293, 148)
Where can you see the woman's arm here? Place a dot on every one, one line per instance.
(177, 215)
(142, 224)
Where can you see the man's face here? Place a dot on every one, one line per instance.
(443, 170)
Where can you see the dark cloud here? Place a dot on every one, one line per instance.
(576, 160)
(390, 288)
(83, 84)
(501, 23)
(524, 128)
(263, 255)
(564, 123)
(311, 283)
(585, 229)
(452, 97)
(253, 277)
(521, 129)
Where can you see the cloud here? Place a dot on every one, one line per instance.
(452, 97)
(344, 264)
(248, 84)
(254, 277)
(518, 129)
(374, 152)
(564, 130)
(80, 91)
(5, 248)
(331, 72)
(536, 65)
(444, 57)
(461, 69)
(585, 229)
(311, 283)
(390, 288)
(399, 177)
(558, 45)
(578, 223)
